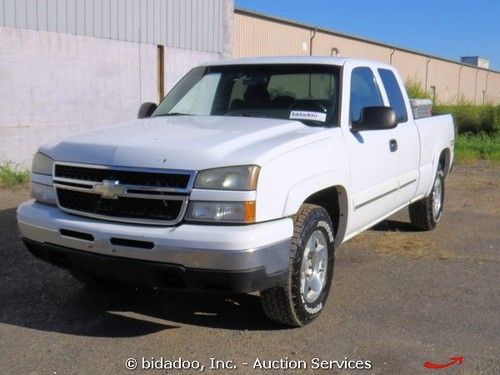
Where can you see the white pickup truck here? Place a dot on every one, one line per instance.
(246, 177)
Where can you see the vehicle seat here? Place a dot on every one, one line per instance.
(282, 101)
(256, 96)
(236, 105)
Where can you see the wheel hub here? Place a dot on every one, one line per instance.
(437, 194)
(314, 266)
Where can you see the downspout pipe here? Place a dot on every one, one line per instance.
(392, 54)
(475, 87)
(311, 40)
(429, 58)
(485, 96)
(459, 79)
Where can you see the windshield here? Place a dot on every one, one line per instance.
(307, 93)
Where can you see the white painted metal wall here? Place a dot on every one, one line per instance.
(188, 24)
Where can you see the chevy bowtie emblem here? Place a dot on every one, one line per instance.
(109, 189)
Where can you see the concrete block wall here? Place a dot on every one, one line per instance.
(55, 85)
(179, 61)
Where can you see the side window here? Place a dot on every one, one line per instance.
(364, 92)
(394, 94)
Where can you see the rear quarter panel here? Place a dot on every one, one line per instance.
(437, 133)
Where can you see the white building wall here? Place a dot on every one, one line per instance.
(54, 85)
(180, 61)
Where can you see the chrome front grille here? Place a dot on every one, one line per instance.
(132, 195)
(174, 181)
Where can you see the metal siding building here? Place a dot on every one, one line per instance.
(258, 34)
(188, 24)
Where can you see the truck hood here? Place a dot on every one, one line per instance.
(186, 142)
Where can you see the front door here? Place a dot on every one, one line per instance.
(374, 165)
(408, 142)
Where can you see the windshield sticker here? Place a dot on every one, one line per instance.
(307, 115)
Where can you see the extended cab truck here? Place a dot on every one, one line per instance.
(246, 177)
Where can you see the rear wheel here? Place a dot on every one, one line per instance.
(310, 270)
(426, 213)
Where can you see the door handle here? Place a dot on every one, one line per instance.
(393, 145)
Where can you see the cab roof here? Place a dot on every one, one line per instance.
(322, 60)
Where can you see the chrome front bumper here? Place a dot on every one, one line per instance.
(209, 247)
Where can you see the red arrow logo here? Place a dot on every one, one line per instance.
(453, 361)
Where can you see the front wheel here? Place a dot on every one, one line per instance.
(310, 270)
(426, 213)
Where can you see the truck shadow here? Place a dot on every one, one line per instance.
(394, 226)
(36, 295)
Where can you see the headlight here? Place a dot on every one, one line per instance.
(42, 189)
(42, 164)
(228, 212)
(229, 178)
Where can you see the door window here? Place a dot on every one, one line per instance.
(364, 92)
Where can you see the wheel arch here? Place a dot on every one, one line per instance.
(320, 190)
(441, 158)
(334, 200)
(445, 160)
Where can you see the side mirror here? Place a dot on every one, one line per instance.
(376, 118)
(146, 110)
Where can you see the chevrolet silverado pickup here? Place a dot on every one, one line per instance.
(246, 177)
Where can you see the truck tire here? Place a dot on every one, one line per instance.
(426, 213)
(302, 299)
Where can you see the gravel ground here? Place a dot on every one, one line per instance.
(399, 298)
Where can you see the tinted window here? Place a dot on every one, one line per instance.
(311, 86)
(306, 93)
(364, 92)
(394, 94)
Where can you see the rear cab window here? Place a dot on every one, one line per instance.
(394, 94)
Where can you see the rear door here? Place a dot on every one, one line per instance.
(407, 138)
(374, 170)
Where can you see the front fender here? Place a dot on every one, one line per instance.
(299, 192)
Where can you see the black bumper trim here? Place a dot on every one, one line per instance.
(147, 273)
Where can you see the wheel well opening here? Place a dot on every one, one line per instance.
(334, 201)
(444, 161)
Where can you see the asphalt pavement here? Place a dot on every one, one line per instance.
(400, 298)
